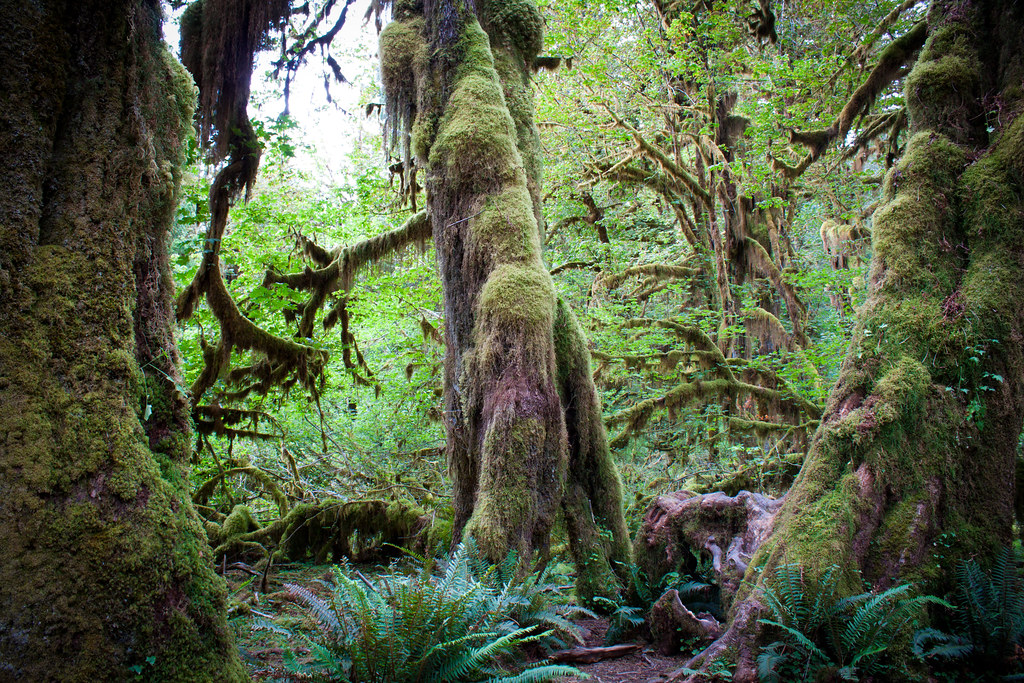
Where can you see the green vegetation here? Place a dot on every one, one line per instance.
(825, 634)
(583, 274)
(986, 624)
(449, 627)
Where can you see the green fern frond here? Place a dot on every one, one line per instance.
(930, 643)
(770, 661)
(450, 626)
(322, 613)
(799, 640)
(542, 672)
(262, 624)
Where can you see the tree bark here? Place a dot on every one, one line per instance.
(913, 465)
(525, 437)
(104, 573)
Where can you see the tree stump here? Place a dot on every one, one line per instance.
(680, 526)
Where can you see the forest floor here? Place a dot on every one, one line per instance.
(642, 666)
(263, 647)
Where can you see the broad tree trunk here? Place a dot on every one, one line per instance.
(104, 570)
(913, 465)
(525, 437)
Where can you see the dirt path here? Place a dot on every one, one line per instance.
(642, 667)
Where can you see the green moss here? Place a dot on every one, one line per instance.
(592, 502)
(823, 533)
(506, 227)
(402, 10)
(439, 537)
(403, 57)
(942, 90)
(424, 130)
(517, 296)
(907, 231)
(517, 23)
(475, 136)
(901, 529)
(508, 498)
(239, 521)
(108, 559)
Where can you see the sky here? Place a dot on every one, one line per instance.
(335, 128)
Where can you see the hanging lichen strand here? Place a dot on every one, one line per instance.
(218, 41)
(459, 102)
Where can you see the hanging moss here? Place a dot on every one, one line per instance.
(403, 53)
(404, 60)
(255, 476)
(219, 39)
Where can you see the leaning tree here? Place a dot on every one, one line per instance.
(105, 571)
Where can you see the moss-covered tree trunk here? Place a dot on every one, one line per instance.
(525, 438)
(104, 571)
(913, 464)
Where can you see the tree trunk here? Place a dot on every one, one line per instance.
(104, 573)
(913, 465)
(525, 436)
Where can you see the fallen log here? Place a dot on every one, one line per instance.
(589, 655)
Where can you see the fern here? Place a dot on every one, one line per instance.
(988, 620)
(442, 628)
(770, 662)
(930, 642)
(991, 613)
(825, 634)
(695, 592)
(531, 603)
(542, 672)
(624, 620)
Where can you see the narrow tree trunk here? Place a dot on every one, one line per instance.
(508, 383)
(913, 465)
(104, 571)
